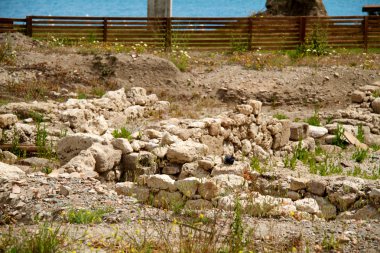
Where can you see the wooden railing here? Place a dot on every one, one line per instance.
(205, 33)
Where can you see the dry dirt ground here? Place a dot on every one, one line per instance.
(212, 82)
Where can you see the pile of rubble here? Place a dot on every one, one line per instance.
(181, 162)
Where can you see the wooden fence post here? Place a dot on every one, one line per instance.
(168, 34)
(302, 24)
(105, 29)
(29, 26)
(365, 33)
(250, 33)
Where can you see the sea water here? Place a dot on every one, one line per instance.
(138, 8)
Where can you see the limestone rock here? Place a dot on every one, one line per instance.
(71, 145)
(328, 210)
(170, 200)
(245, 109)
(366, 213)
(376, 105)
(227, 182)
(282, 138)
(168, 139)
(317, 187)
(160, 152)
(6, 120)
(123, 145)
(246, 146)
(298, 131)
(297, 184)
(208, 190)
(188, 186)
(192, 170)
(161, 182)
(237, 168)
(153, 134)
(131, 189)
(98, 125)
(206, 164)
(37, 162)
(256, 106)
(187, 151)
(374, 196)
(171, 169)
(214, 128)
(357, 97)
(308, 205)
(317, 132)
(198, 204)
(341, 200)
(106, 157)
(64, 190)
(10, 173)
(136, 164)
(260, 153)
(84, 161)
(9, 157)
(214, 144)
(226, 203)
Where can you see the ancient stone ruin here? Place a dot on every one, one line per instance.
(181, 161)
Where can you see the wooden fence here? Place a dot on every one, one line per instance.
(205, 33)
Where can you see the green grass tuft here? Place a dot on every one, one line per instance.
(86, 216)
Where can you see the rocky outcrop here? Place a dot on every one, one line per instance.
(295, 8)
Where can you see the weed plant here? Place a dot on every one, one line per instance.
(47, 239)
(180, 58)
(255, 165)
(122, 133)
(329, 243)
(376, 93)
(237, 230)
(360, 134)
(44, 148)
(339, 139)
(280, 116)
(86, 216)
(314, 120)
(7, 54)
(360, 155)
(239, 45)
(315, 43)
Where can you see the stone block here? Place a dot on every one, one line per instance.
(298, 131)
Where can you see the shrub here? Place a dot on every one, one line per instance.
(180, 58)
(315, 43)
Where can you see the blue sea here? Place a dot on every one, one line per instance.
(138, 8)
